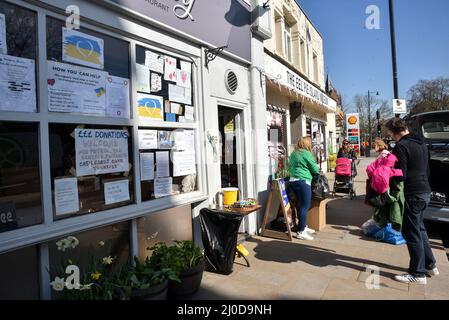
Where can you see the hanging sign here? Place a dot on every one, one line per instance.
(399, 106)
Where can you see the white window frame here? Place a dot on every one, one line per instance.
(287, 41)
(50, 229)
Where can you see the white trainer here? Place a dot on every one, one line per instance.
(408, 278)
(304, 236)
(433, 272)
(309, 231)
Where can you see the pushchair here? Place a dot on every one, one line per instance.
(345, 172)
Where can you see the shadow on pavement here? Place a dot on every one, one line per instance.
(288, 252)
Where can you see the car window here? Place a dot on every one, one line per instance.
(437, 129)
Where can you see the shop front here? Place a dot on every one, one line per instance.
(298, 108)
(117, 130)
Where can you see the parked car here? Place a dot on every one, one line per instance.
(434, 128)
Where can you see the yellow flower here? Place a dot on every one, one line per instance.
(95, 275)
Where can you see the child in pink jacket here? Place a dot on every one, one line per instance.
(382, 169)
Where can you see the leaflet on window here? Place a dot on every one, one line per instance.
(76, 89)
(117, 97)
(17, 84)
(143, 78)
(116, 191)
(154, 61)
(163, 187)
(184, 163)
(189, 113)
(150, 106)
(156, 82)
(81, 48)
(162, 164)
(147, 139)
(147, 166)
(186, 66)
(100, 151)
(170, 69)
(3, 43)
(183, 79)
(66, 196)
(166, 139)
(179, 94)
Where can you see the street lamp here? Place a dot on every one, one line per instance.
(369, 120)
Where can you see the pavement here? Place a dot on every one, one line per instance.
(340, 264)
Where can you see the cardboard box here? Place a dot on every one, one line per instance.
(316, 218)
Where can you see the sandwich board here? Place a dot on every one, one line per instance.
(277, 202)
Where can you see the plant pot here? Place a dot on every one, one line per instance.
(190, 282)
(158, 292)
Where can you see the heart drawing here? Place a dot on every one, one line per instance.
(184, 76)
(81, 48)
(51, 82)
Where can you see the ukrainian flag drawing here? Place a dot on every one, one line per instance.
(83, 49)
(150, 107)
(100, 92)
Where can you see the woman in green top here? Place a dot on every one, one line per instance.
(302, 168)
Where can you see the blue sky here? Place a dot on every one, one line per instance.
(359, 59)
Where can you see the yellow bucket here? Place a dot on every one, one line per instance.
(230, 196)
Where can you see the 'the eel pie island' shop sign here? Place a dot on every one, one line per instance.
(216, 22)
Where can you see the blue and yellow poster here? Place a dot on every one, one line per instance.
(82, 49)
(150, 106)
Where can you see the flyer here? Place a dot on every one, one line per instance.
(176, 108)
(3, 43)
(150, 106)
(17, 84)
(100, 151)
(146, 166)
(154, 61)
(179, 94)
(81, 48)
(147, 139)
(183, 79)
(163, 187)
(162, 164)
(186, 66)
(166, 139)
(170, 69)
(66, 196)
(143, 78)
(156, 82)
(117, 97)
(184, 163)
(189, 113)
(116, 191)
(76, 89)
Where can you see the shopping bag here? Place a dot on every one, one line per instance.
(320, 187)
(370, 227)
(389, 235)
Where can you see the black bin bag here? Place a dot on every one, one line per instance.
(219, 233)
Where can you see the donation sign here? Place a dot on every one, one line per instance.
(101, 151)
(76, 89)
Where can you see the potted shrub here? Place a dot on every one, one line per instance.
(141, 282)
(186, 259)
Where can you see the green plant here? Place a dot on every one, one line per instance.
(180, 256)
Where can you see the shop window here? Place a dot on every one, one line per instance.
(18, 48)
(164, 87)
(20, 188)
(92, 246)
(19, 274)
(167, 162)
(88, 72)
(91, 168)
(159, 227)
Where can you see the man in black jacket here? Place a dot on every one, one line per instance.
(413, 160)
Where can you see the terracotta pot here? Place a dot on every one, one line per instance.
(158, 292)
(190, 282)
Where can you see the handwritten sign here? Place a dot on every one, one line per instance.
(100, 151)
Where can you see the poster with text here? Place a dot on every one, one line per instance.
(100, 151)
(163, 187)
(170, 69)
(76, 89)
(184, 163)
(179, 94)
(17, 84)
(116, 191)
(143, 78)
(3, 44)
(66, 196)
(81, 48)
(154, 61)
(147, 139)
(150, 106)
(117, 97)
(147, 166)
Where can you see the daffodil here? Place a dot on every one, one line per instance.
(58, 284)
(101, 243)
(86, 286)
(73, 242)
(95, 275)
(108, 260)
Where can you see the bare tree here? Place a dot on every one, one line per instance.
(429, 95)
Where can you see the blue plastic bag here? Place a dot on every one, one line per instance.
(389, 235)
